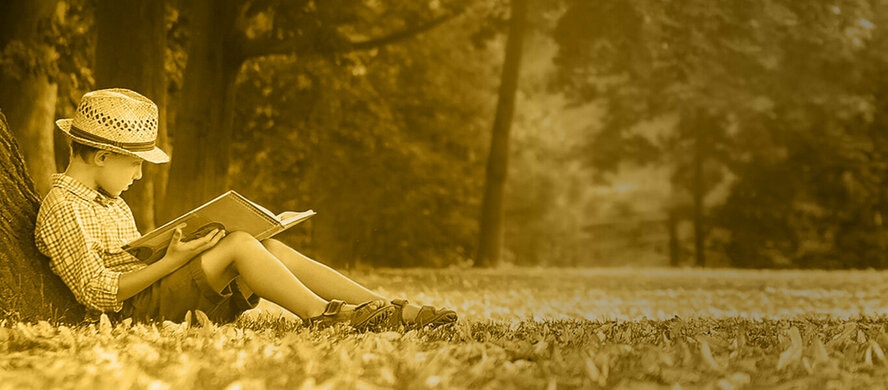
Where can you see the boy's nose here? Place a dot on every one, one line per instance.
(138, 174)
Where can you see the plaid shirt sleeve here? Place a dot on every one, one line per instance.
(71, 237)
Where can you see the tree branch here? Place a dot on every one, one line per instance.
(271, 46)
(398, 36)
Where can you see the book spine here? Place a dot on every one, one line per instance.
(270, 232)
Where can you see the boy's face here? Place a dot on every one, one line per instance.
(117, 172)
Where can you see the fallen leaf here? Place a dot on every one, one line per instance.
(104, 324)
(879, 353)
(820, 354)
(792, 354)
(706, 354)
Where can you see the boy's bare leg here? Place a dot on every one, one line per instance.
(240, 254)
(325, 281)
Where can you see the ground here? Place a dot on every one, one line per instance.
(519, 328)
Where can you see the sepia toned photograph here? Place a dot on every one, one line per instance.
(443, 194)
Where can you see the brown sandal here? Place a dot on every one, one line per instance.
(368, 315)
(427, 316)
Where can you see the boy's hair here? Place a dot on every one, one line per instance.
(84, 152)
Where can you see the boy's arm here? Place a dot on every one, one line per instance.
(70, 237)
(177, 255)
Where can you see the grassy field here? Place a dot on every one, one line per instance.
(519, 328)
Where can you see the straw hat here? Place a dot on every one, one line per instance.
(118, 120)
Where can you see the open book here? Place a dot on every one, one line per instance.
(230, 211)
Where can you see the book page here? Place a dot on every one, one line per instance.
(263, 209)
(289, 218)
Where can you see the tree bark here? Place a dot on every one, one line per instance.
(490, 239)
(699, 188)
(205, 115)
(130, 51)
(29, 291)
(27, 93)
(674, 243)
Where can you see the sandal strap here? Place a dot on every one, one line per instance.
(429, 315)
(367, 316)
(333, 307)
(364, 315)
(400, 302)
(396, 320)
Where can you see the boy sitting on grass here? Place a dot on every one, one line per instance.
(83, 223)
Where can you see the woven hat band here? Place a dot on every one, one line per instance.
(131, 146)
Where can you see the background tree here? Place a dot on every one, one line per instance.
(675, 79)
(206, 107)
(224, 36)
(385, 144)
(490, 240)
(130, 53)
(770, 100)
(811, 175)
(29, 90)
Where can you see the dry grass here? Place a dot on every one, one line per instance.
(520, 328)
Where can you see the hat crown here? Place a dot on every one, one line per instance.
(117, 115)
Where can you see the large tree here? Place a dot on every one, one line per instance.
(29, 291)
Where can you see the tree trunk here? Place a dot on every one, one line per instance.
(490, 240)
(205, 115)
(29, 291)
(130, 52)
(674, 243)
(699, 189)
(26, 92)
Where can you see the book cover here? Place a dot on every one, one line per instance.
(230, 211)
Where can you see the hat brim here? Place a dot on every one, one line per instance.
(156, 155)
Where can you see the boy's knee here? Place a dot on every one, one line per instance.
(271, 243)
(238, 238)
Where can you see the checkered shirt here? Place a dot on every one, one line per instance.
(82, 232)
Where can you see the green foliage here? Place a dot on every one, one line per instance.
(549, 198)
(72, 35)
(785, 99)
(384, 144)
(382, 140)
(824, 146)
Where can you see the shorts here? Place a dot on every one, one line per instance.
(187, 289)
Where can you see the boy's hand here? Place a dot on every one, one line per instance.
(186, 250)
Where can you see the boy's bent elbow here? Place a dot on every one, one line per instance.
(101, 304)
(100, 295)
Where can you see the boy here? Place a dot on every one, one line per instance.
(83, 222)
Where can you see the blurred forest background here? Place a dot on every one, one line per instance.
(737, 133)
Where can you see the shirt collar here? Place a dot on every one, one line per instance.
(75, 187)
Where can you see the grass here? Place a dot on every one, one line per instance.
(519, 328)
